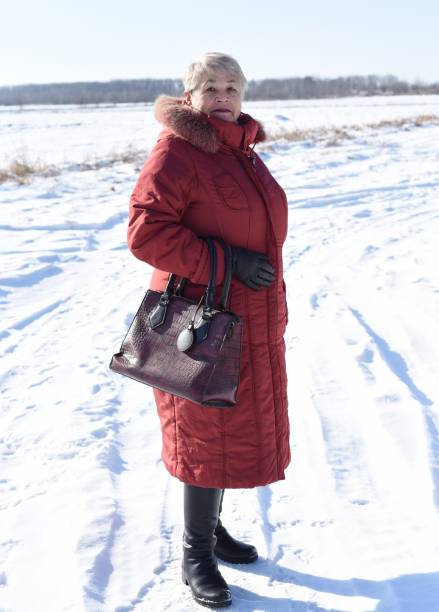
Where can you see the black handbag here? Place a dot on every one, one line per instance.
(186, 348)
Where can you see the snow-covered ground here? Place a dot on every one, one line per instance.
(89, 518)
(68, 135)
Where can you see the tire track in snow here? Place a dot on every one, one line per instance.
(265, 496)
(394, 361)
(32, 318)
(398, 366)
(389, 593)
(109, 223)
(101, 569)
(166, 571)
(102, 533)
(31, 278)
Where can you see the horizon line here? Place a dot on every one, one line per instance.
(416, 81)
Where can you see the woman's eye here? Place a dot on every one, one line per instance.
(213, 90)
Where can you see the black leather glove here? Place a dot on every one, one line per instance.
(252, 268)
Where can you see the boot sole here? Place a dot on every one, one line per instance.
(236, 561)
(207, 603)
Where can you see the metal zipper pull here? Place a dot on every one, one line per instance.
(253, 155)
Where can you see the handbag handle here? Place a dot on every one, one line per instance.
(222, 305)
(227, 249)
(157, 316)
(169, 289)
(210, 292)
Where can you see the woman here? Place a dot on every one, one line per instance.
(203, 178)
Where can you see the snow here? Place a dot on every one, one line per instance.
(89, 518)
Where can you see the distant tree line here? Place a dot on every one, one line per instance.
(147, 90)
(313, 87)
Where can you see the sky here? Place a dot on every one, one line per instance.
(45, 41)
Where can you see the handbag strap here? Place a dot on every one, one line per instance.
(158, 315)
(228, 274)
(210, 292)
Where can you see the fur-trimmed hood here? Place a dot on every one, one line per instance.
(203, 131)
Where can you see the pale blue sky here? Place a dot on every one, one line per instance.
(77, 40)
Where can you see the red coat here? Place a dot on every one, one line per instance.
(201, 178)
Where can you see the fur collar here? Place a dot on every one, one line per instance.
(194, 126)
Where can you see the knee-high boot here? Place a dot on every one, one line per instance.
(231, 550)
(200, 567)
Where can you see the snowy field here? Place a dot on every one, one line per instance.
(90, 521)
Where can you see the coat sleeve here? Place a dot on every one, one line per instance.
(161, 195)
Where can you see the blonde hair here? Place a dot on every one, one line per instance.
(213, 61)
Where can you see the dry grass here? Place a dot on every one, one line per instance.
(21, 170)
(4, 176)
(129, 155)
(327, 136)
(334, 136)
(423, 119)
(417, 121)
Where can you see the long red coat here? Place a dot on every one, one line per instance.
(202, 178)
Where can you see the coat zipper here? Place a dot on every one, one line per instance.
(252, 158)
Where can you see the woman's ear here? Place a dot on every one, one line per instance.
(187, 98)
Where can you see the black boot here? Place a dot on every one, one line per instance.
(231, 550)
(199, 567)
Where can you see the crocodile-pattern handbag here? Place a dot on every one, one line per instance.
(186, 348)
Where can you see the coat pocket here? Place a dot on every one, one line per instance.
(230, 192)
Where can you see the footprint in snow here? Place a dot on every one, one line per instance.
(314, 301)
(40, 382)
(369, 250)
(321, 523)
(303, 555)
(99, 433)
(288, 523)
(366, 356)
(363, 213)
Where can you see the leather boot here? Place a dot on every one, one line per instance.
(231, 550)
(200, 567)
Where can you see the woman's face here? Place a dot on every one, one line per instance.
(218, 94)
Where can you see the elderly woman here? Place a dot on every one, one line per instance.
(203, 178)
